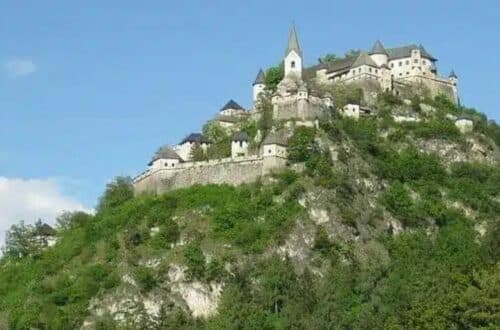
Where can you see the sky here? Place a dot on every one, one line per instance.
(90, 89)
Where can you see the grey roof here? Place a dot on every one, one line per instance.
(195, 138)
(261, 78)
(165, 152)
(453, 74)
(241, 136)
(378, 48)
(364, 59)
(405, 51)
(293, 42)
(341, 64)
(44, 230)
(231, 104)
(274, 138)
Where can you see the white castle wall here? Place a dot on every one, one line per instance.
(223, 171)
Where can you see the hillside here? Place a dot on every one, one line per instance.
(375, 224)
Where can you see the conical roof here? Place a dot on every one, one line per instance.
(241, 136)
(453, 74)
(260, 79)
(378, 48)
(293, 42)
(231, 104)
(165, 152)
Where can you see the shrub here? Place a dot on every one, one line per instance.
(301, 146)
(195, 260)
(145, 278)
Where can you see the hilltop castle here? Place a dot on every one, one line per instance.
(297, 100)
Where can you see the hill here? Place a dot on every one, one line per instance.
(375, 224)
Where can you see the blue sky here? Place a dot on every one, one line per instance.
(90, 89)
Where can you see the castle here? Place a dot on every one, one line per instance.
(297, 100)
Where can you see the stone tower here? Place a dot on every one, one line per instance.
(379, 54)
(258, 85)
(293, 56)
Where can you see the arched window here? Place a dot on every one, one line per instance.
(292, 64)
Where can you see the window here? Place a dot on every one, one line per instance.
(407, 62)
(392, 65)
(370, 69)
(166, 164)
(415, 61)
(173, 164)
(400, 63)
(269, 151)
(376, 71)
(400, 74)
(292, 64)
(241, 144)
(407, 73)
(424, 62)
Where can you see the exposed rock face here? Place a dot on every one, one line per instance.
(202, 299)
(451, 152)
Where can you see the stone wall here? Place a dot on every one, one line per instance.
(223, 171)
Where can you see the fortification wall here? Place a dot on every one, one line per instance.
(224, 171)
(289, 107)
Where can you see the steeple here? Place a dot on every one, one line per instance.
(378, 48)
(453, 75)
(293, 42)
(260, 79)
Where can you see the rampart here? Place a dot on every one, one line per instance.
(233, 171)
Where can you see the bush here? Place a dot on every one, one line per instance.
(145, 278)
(301, 146)
(195, 260)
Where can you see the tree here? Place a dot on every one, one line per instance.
(273, 76)
(327, 58)
(221, 141)
(18, 241)
(352, 52)
(117, 192)
(301, 146)
(68, 220)
(265, 122)
(198, 154)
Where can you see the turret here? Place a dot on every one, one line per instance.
(293, 56)
(165, 158)
(239, 145)
(258, 85)
(378, 54)
(453, 77)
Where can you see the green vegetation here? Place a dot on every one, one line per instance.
(273, 76)
(438, 268)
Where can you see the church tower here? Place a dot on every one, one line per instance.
(293, 56)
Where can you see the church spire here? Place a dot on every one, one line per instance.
(293, 42)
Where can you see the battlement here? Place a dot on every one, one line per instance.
(232, 171)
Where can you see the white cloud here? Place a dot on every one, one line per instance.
(19, 67)
(31, 199)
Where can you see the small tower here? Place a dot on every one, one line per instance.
(302, 93)
(239, 145)
(258, 85)
(379, 54)
(293, 56)
(453, 77)
(165, 158)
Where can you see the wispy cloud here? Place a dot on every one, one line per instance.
(31, 199)
(19, 67)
